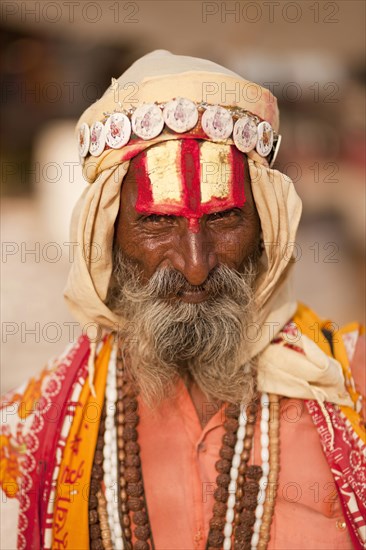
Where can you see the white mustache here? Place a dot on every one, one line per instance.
(222, 282)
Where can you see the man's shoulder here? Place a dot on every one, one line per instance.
(345, 343)
(31, 416)
(29, 397)
(329, 335)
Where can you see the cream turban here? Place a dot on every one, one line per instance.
(159, 77)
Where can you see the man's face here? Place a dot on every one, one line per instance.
(225, 237)
(187, 290)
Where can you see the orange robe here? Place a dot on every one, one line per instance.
(178, 460)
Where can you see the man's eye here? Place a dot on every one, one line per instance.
(157, 218)
(232, 213)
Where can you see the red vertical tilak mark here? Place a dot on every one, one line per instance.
(144, 191)
(238, 176)
(190, 170)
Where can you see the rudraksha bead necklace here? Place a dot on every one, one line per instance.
(242, 515)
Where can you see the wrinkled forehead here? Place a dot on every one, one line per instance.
(190, 178)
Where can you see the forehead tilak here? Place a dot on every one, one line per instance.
(189, 178)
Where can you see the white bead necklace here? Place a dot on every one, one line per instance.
(110, 455)
(234, 472)
(263, 482)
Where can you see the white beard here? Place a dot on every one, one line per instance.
(169, 338)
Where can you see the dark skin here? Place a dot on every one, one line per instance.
(155, 241)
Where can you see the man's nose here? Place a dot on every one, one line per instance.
(195, 257)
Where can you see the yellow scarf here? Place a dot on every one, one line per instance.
(70, 521)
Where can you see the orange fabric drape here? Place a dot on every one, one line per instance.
(70, 522)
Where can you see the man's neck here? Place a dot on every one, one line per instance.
(206, 407)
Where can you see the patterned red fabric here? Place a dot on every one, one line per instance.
(345, 453)
(34, 430)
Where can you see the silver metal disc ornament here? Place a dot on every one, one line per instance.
(83, 139)
(97, 139)
(265, 138)
(147, 121)
(180, 115)
(118, 130)
(277, 148)
(245, 134)
(217, 122)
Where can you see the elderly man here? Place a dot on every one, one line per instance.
(210, 410)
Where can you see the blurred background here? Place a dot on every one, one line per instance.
(58, 57)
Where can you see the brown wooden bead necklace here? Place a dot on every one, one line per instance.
(132, 505)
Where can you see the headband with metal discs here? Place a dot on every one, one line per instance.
(180, 115)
